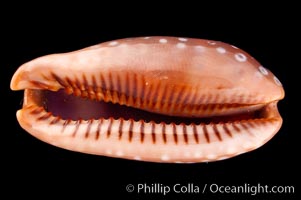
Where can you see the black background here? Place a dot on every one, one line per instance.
(30, 165)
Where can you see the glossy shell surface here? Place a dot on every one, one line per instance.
(232, 97)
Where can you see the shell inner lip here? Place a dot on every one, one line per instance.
(70, 107)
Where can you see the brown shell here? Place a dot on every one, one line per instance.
(167, 75)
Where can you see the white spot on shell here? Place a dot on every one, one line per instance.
(95, 46)
(165, 157)
(146, 38)
(263, 70)
(258, 75)
(113, 43)
(240, 57)
(163, 77)
(179, 162)
(223, 157)
(163, 41)
(211, 42)
(137, 158)
(181, 45)
(109, 152)
(211, 156)
(182, 39)
(197, 154)
(220, 50)
(200, 48)
(234, 47)
(247, 145)
(230, 150)
(277, 81)
(119, 153)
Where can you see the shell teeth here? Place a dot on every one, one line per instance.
(154, 141)
(186, 130)
(135, 91)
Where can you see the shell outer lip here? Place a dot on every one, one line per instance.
(31, 100)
